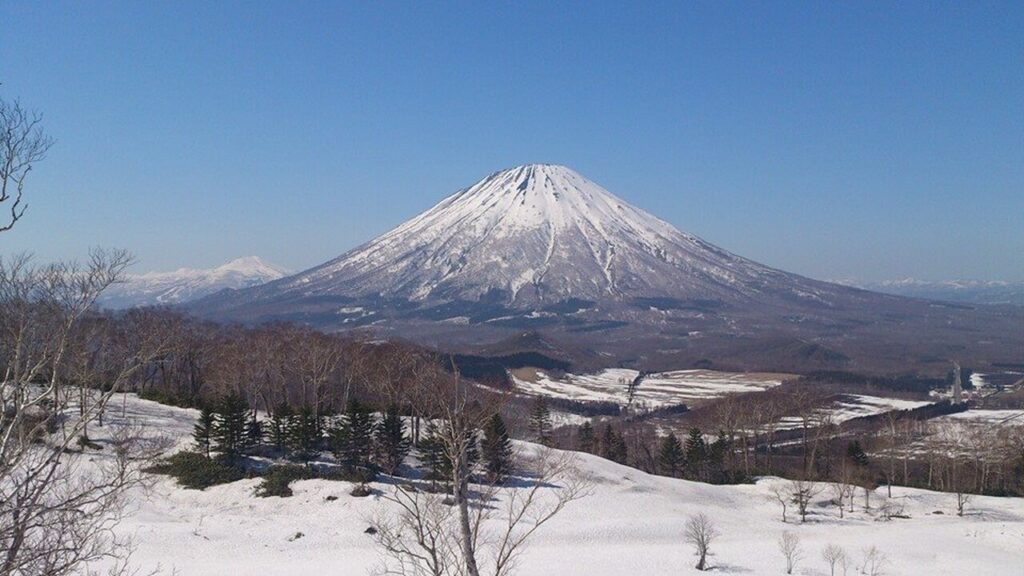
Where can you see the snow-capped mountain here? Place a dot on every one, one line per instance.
(970, 291)
(540, 247)
(533, 236)
(187, 284)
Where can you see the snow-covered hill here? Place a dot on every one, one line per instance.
(631, 523)
(187, 284)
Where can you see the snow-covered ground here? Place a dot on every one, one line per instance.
(632, 523)
(850, 406)
(987, 417)
(654, 391)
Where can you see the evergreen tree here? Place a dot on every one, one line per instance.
(607, 442)
(202, 433)
(671, 457)
(253, 431)
(352, 439)
(302, 434)
(497, 449)
(229, 436)
(585, 438)
(856, 453)
(433, 460)
(540, 421)
(619, 453)
(696, 453)
(391, 442)
(715, 458)
(279, 424)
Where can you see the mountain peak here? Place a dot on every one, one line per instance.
(186, 284)
(253, 266)
(536, 233)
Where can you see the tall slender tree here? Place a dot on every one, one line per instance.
(202, 432)
(671, 457)
(352, 439)
(585, 440)
(497, 449)
(229, 437)
(390, 441)
(540, 421)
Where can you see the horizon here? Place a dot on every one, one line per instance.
(871, 144)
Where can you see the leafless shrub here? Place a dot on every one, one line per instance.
(59, 508)
(789, 545)
(873, 562)
(835, 556)
(479, 531)
(701, 532)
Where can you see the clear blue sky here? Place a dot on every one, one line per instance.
(834, 139)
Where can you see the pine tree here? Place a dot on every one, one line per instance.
(433, 460)
(619, 453)
(540, 421)
(585, 438)
(352, 439)
(391, 442)
(229, 436)
(254, 431)
(279, 423)
(497, 449)
(303, 437)
(856, 453)
(202, 433)
(696, 453)
(607, 442)
(671, 457)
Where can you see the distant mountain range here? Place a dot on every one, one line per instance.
(542, 248)
(187, 284)
(967, 291)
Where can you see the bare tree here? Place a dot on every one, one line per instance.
(782, 496)
(835, 556)
(841, 492)
(873, 562)
(802, 492)
(701, 532)
(22, 144)
(57, 511)
(789, 545)
(467, 533)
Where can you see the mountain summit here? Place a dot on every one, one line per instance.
(542, 247)
(533, 235)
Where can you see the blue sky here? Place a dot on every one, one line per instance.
(835, 139)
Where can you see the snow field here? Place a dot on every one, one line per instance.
(631, 523)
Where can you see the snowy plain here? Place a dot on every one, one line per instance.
(654, 391)
(631, 523)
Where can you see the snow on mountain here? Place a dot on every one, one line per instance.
(968, 291)
(541, 247)
(538, 234)
(186, 284)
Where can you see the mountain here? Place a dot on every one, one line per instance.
(540, 247)
(187, 284)
(968, 291)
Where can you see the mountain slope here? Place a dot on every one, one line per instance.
(540, 247)
(536, 235)
(187, 284)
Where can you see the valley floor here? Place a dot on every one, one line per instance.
(632, 523)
